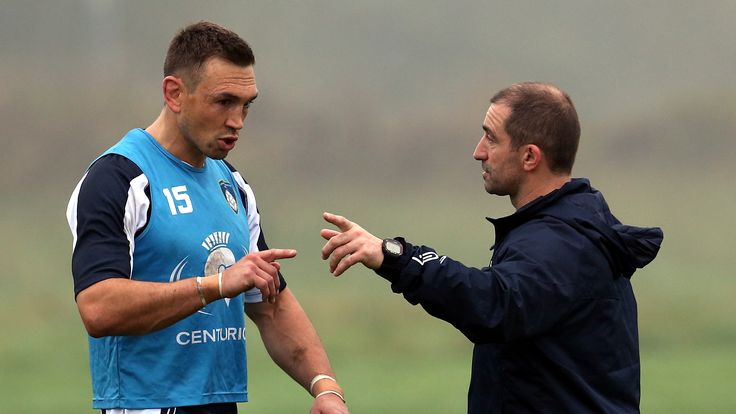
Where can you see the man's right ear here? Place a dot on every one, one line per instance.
(173, 89)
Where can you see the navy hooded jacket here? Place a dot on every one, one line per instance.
(554, 318)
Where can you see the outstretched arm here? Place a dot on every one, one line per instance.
(518, 297)
(293, 343)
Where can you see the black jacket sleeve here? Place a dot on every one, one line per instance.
(517, 298)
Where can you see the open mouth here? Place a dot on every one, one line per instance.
(228, 143)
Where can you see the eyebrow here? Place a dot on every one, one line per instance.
(227, 95)
(488, 131)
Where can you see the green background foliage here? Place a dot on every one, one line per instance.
(372, 110)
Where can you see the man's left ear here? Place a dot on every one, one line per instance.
(173, 89)
(532, 156)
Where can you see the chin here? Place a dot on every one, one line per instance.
(218, 155)
(496, 191)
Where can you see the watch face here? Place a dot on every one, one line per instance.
(393, 247)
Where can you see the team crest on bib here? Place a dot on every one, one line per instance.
(229, 193)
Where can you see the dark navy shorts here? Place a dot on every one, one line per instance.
(222, 408)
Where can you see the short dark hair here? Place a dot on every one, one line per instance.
(544, 115)
(195, 44)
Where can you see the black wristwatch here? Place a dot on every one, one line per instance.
(392, 248)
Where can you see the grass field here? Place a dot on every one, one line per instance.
(391, 357)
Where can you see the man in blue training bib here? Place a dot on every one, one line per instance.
(169, 250)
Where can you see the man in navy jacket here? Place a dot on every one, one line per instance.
(553, 319)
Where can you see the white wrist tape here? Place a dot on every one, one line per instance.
(330, 392)
(318, 377)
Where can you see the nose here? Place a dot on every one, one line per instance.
(236, 119)
(480, 153)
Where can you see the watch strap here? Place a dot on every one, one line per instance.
(393, 265)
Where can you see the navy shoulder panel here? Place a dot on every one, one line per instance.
(97, 217)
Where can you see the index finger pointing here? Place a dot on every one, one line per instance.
(341, 222)
(274, 254)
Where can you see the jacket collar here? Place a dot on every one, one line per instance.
(503, 225)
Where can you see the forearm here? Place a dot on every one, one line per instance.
(292, 342)
(128, 307)
(470, 299)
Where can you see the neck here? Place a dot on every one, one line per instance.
(538, 188)
(166, 132)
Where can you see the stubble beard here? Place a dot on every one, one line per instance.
(200, 146)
